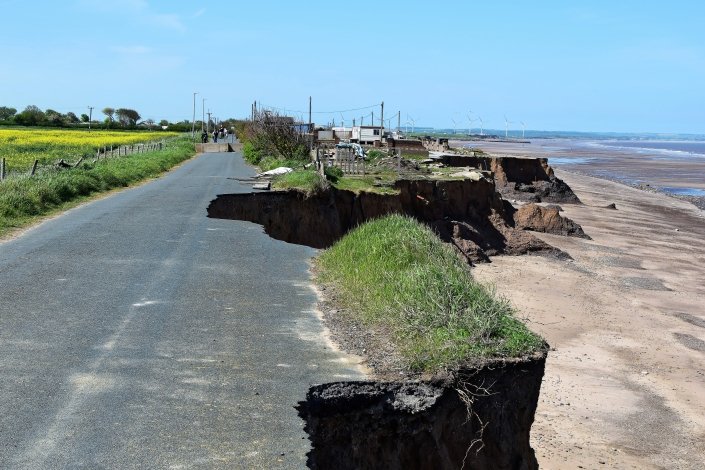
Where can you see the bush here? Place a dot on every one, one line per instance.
(251, 154)
(333, 173)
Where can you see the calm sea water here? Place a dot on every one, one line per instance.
(694, 149)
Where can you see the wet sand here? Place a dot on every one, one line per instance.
(625, 383)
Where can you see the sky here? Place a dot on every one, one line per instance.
(594, 66)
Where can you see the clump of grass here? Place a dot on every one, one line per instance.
(24, 198)
(396, 273)
(372, 184)
(308, 181)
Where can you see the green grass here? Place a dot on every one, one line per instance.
(270, 163)
(396, 274)
(24, 199)
(370, 184)
(308, 181)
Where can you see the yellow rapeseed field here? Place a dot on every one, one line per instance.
(20, 147)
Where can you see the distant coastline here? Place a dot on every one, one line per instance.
(673, 167)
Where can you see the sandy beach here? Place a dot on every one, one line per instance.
(656, 170)
(625, 381)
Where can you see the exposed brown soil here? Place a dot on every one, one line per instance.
(469, 214)
(625, 386)
(477, 419)
(517, 178)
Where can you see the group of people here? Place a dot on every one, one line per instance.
(221, 133)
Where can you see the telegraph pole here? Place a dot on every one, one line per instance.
(203, 113)
(193, 122)
(398, 121)
(381, 123)
(310, 124)
(90, 117)
(208, 127)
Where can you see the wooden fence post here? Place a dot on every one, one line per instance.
(2, 169)
(34, 167)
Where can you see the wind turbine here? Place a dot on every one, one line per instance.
(506, 127)
(479, 118)
(470, 120)
(455, 125)
(413, 122)
(342, 120)
(523, 128)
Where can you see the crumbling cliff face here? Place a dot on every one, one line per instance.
(524, 179)
(478, 420)
(469, 214)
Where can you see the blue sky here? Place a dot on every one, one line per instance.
(628, 66)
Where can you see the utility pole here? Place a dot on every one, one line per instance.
(203, 113)
(208, 128)
(398, 122)
(193, 122)
(310, 125)
(90, 117)
(381, 123)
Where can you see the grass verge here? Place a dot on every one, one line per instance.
(24, 199)
(396, 274)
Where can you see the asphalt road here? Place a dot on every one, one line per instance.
(137, 333)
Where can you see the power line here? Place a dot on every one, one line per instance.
(318, 112)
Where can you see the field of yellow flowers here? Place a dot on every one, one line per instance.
(20, 147)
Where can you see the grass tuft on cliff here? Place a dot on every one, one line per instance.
(308, 181)
(395, 275)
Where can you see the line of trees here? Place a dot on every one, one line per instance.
(114, 118)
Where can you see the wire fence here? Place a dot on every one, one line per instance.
(101, 153)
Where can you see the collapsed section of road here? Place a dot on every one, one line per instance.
(458, 374)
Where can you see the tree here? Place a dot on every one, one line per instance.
(53, 118)
(7, 113)
(31, 116)
(110, 115)
(71, 117)
(84, 117)
(127, 117)
(164, 123)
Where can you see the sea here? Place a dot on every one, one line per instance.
(671, 164)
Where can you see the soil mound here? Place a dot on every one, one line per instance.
(546, 219)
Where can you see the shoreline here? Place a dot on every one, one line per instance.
(624, 383)
(632, 167)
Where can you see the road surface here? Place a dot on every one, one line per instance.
(137, 333)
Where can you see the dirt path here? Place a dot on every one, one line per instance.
(625, 385)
